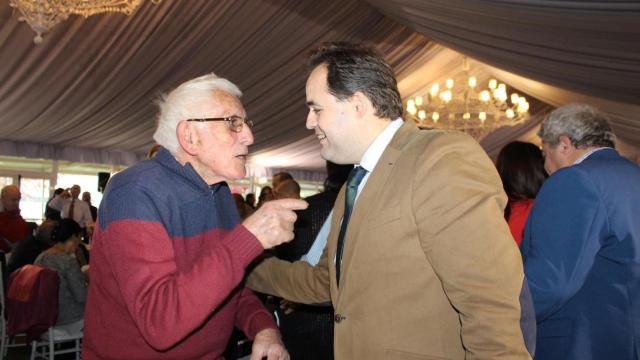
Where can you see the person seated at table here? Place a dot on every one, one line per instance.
(72, 290)
(28, 250)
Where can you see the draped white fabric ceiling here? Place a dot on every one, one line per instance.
(87, 92)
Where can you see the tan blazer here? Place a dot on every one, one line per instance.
(430, 270)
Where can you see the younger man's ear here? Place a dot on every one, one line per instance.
(361, 103)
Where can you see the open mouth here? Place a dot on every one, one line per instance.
(321, 136)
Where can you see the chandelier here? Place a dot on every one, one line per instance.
(462, 105)
(42, 15)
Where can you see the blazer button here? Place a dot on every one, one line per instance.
(338, 318)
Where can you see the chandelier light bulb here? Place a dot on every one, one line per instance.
(446, 96)
(449, 84)
(435, 116)
(466, 116)
(482, 116)
(493, 83)
(500, 94)
(411, 107)
(510, 114)
(473, 81)
(418, 100)
(523, 107)
(435, 89)
(422, 114)
(515, 98)
(485, 96)
(502, 87)
(523, 102)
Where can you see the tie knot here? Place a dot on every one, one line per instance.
(355, 176)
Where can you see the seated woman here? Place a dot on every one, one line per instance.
(521, 168)
(72, 291)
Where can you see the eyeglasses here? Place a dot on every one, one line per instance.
(235, 122)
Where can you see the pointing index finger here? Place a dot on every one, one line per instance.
(292, 204)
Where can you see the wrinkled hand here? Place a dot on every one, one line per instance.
(273, 222)
(267, 344)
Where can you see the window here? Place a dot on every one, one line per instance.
(5, 180)
(35, 193)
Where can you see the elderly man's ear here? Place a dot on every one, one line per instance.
(565, 145)
(188, 137)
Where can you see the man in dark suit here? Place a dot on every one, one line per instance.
(582, 242)
(311, 219)
(423, 266)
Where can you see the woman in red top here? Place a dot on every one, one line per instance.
(521, 167)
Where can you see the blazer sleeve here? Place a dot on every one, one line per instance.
(562, 238)
(298, 281)
(458, 204)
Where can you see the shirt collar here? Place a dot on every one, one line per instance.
(377, 147)
(588, 153)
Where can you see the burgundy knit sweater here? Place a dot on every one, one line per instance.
(167, 261)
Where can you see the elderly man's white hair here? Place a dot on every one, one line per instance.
(178, 105)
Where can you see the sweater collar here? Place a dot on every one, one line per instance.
(166, 159)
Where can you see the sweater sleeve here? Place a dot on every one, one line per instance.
(252, 317)
(167, 304)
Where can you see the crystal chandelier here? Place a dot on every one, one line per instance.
(42, 15)
(463, 105)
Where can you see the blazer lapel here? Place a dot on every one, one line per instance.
(367, 198)
(332, 242)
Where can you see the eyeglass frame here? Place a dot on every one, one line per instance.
(229, 120)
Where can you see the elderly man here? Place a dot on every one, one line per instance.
(169, 254)
(581, 247)
(13, 228)
(423, 266)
